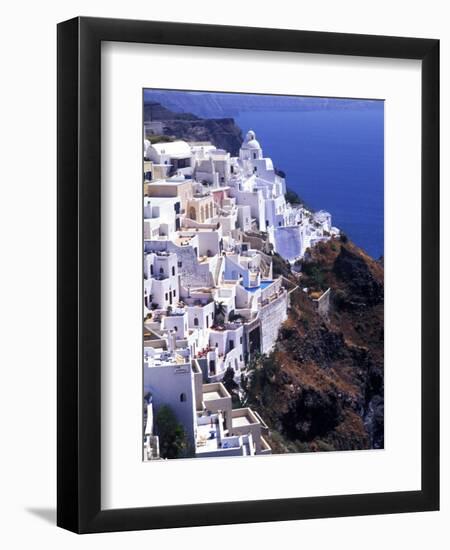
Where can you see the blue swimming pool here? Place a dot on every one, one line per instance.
(262, 286)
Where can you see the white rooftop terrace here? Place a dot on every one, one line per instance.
(157, 357)
(210, 438)
(241, 421)
(213, 391)
(169, 182)
(210, 395)
(244, 417)
(174, 149)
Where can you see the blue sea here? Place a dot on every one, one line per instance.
(331, 150)
(334, 159)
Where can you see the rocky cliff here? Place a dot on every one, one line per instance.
(221, 132)
(322, 388)
(209, 105)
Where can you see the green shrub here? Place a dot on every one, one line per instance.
(172, 438)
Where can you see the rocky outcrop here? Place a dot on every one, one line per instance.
(221, 132)
(365, 289)
(322, 389)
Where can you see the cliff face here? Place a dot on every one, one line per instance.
(221, 132)
(322, 388)
(213, 105)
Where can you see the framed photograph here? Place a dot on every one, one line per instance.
(248, 291)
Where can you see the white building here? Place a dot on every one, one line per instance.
(161, 280)
(212, 428)
(175, 155)
(210, 300)
(161, 217)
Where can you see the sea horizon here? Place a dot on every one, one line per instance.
(331, 150)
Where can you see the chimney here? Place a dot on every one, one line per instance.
(172, 341)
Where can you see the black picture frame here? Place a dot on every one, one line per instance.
(79, 278)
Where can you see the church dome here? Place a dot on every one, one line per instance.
(251, 141)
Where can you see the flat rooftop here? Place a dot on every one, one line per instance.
(158, 201)
(168, 182)
(243, 417)
(183, 240)
(207, 439)
(241, 421)
(210, 395)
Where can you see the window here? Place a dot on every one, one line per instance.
(207, 322)
(173, 270)
(175, 328)
(183, 163)
(161, 270)
(240, 340)
(231, 344)
(196, 322)
(183, 397)
(174, 293)
(167, 296)
(254, 155)
(151, 269)
(180, 264)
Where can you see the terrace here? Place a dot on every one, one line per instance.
(183, 240)
(244, 417)
(214, 391)
(209, 429)
(156, 357)
(211, 438)
(235, 325)
(216, 399)
(263, 285)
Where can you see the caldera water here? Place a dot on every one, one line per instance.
(334, 160)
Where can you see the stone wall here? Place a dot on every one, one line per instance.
(323, 303)
(271, 317)
(191, 272)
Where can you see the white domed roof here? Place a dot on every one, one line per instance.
(251, 141)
